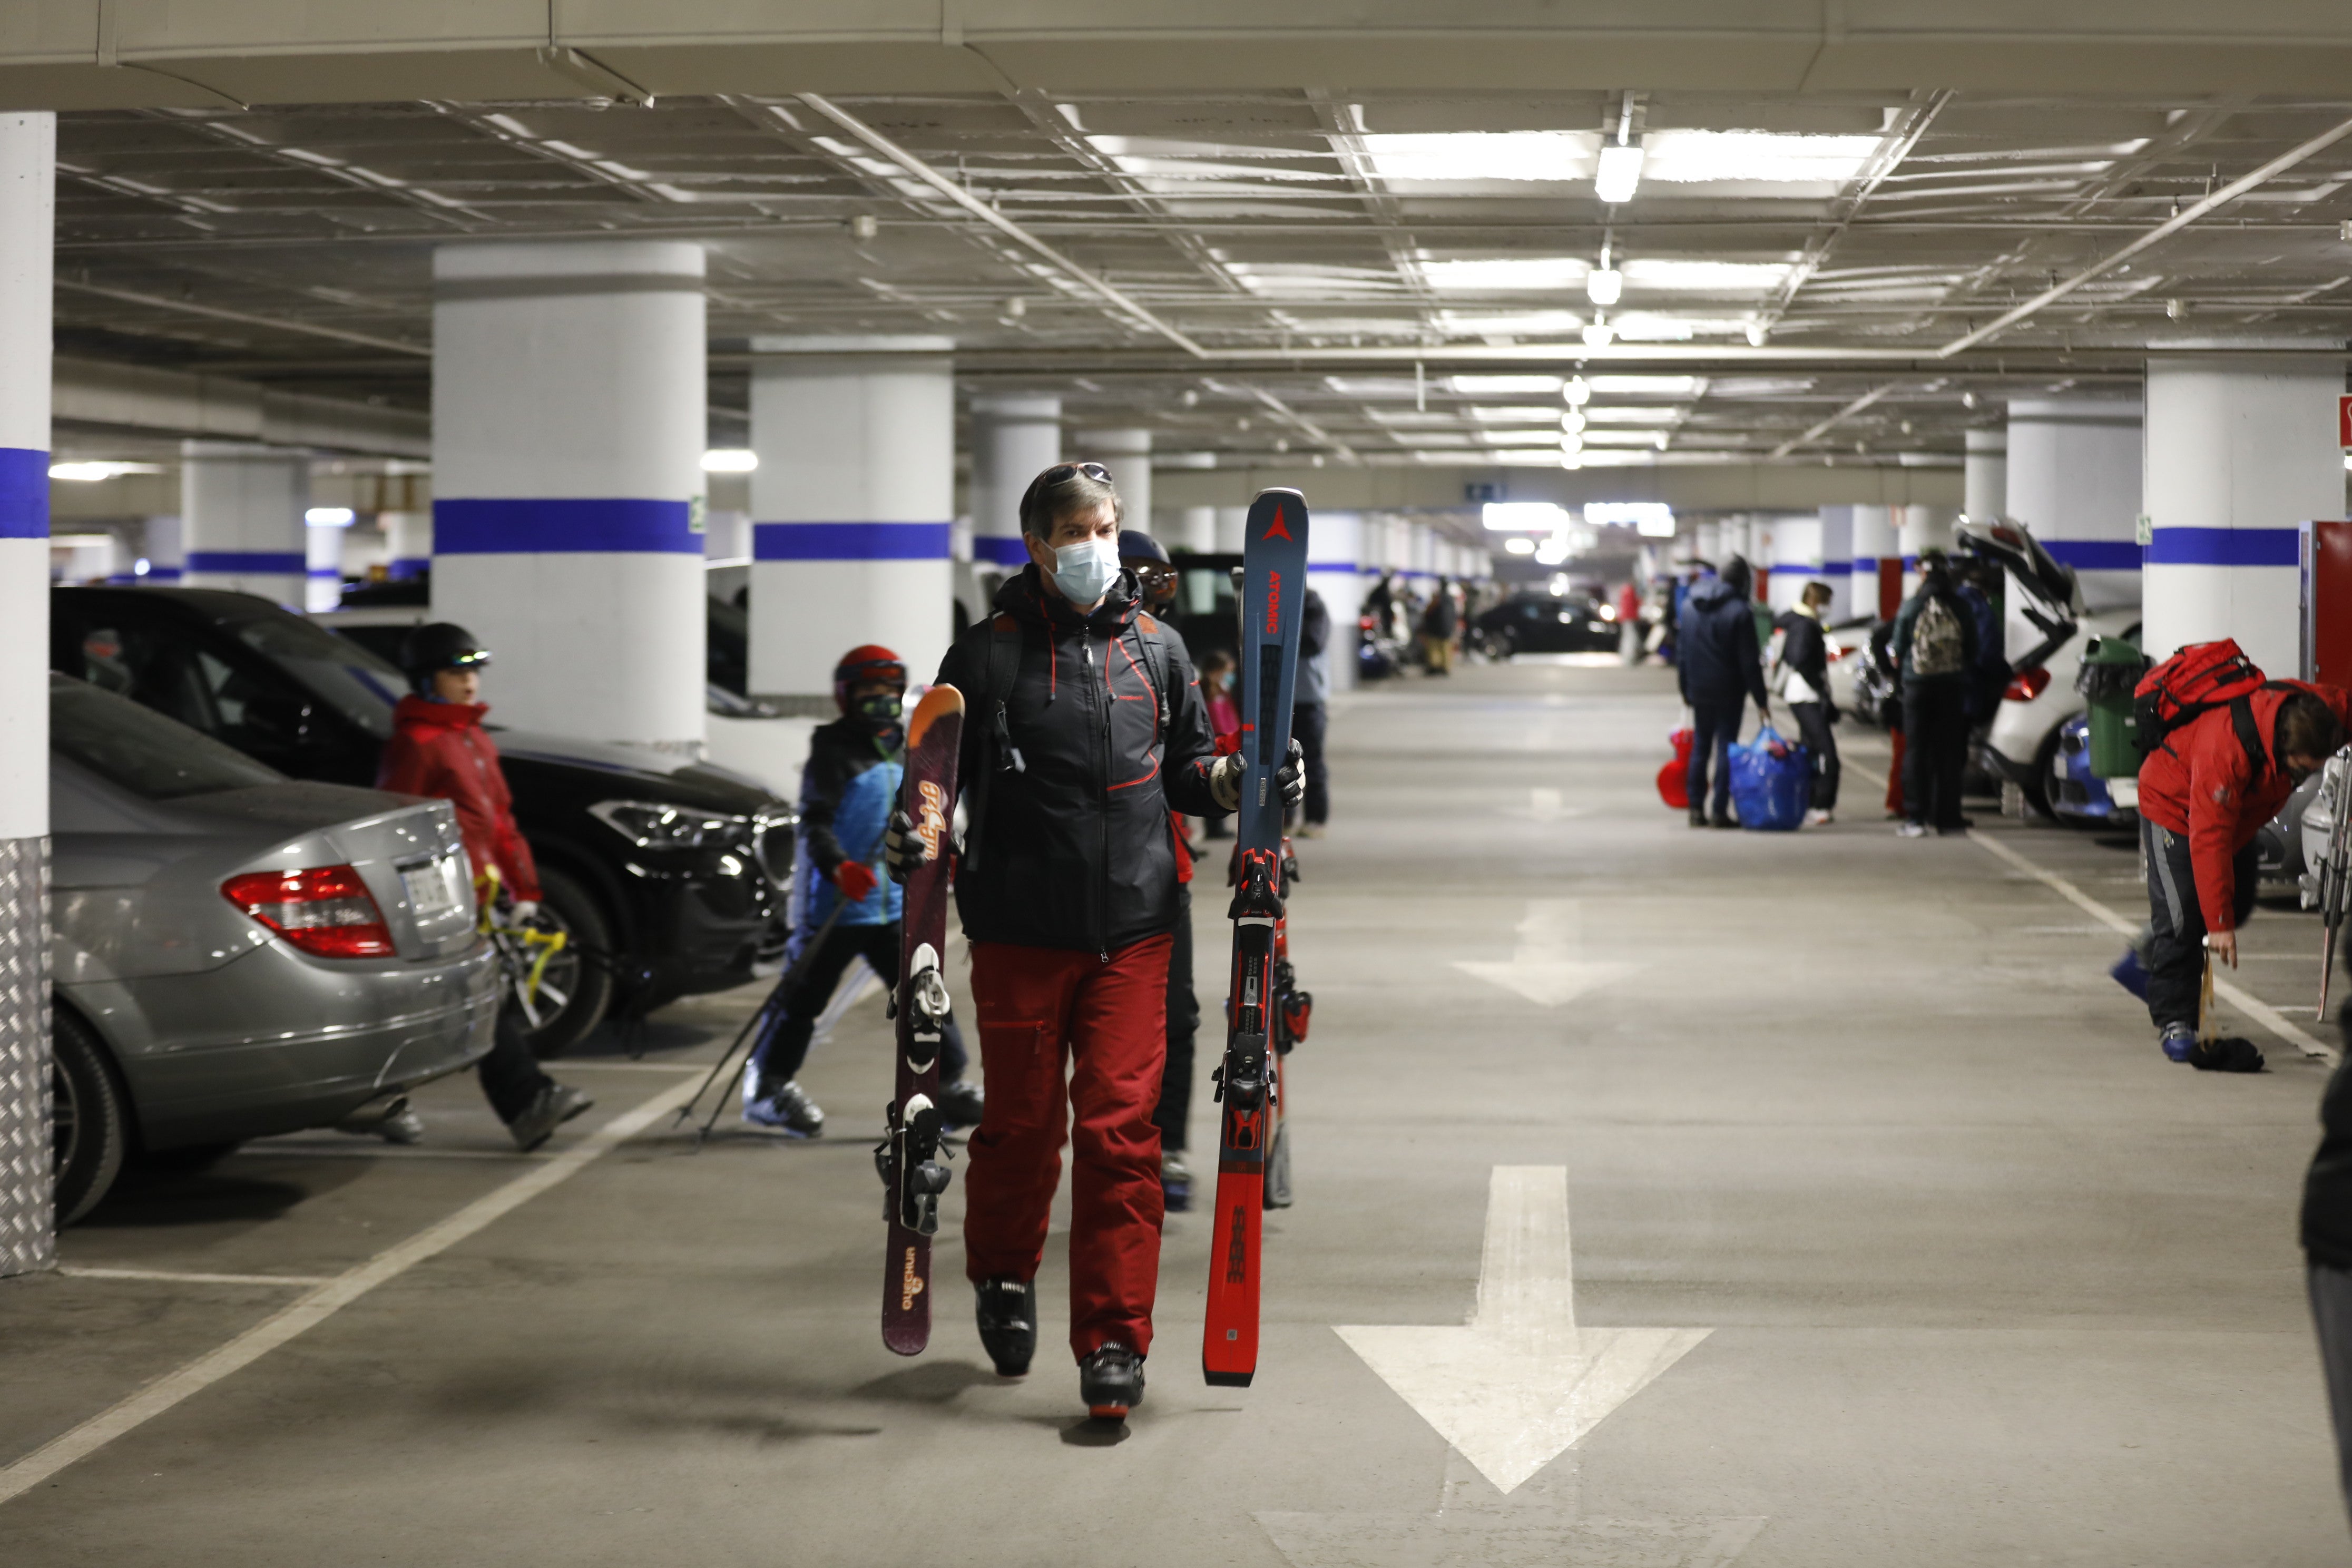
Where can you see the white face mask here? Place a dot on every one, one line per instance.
(1084, 571)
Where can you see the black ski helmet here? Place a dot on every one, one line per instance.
(441, 646)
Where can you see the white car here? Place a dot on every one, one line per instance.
(2047, 627)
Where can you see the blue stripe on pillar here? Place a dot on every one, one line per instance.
(998, 550)
(1347, 566)
(2095, 555)
(292, 563)
(850, 540)
(24, 494)
(403, 568)
(2225, 547)
(1835, 568)
(588, 526)
(165, 574)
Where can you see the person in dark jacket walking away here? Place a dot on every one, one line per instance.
(848, 792)
(1084, 730)
(1935, 648)
(1720, 667)
(1805, 663)
(2327, 1253)
(439, 748)
(1439, 625)
(1156, 577)
(2203, 795)
(1310, 715)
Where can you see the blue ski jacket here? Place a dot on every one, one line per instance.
(847, 790)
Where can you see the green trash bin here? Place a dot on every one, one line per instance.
(2111, 668)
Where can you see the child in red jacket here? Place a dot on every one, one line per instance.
(439, 748)
(2203, 795)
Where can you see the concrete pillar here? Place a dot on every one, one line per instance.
(568, 431)
(1984, 475)
(1335, 569)
(1796, 559)
(1231, 525)
(1837, 562)
(164, 544)
(852, 506)
(1013, 439)
(1192, 528)
(323, 554)
(1128, 455)
(1875, 543)
(2074, 479)
(241, 512)
(408, 543)
(2240, 450)
(27, 227)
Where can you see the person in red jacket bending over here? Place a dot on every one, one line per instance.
(2203, 795)
(439, 748)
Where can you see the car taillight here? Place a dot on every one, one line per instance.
(2028, 684)
(326, 911)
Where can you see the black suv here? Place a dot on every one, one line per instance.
(673, 879)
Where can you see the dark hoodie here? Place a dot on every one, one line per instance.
(1076, 848)
(1717, 657)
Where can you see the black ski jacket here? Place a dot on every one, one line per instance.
(2328, 1189)
(1804, 652)
(1075, 847)
(1716, 656)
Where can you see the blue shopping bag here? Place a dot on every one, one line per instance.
(1771, 783)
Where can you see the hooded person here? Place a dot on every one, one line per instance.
(847, 910)
(1156, 577)
(439, 749)
(1935, 666)
(1720, 665)
(1085, 731)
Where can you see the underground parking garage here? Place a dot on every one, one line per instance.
(653, 613)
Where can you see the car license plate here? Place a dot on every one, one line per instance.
(431, 890)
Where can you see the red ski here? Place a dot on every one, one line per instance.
(1273, 595)
(914, 1173)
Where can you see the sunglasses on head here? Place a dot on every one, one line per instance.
(1060, 471)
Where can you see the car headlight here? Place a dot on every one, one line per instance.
(650, 824)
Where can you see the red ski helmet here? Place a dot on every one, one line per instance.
(867, 661)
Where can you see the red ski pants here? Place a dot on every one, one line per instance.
(1040, 1006)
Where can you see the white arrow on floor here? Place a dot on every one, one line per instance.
(1521, 1382)
(1540, 968)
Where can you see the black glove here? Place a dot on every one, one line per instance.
(1291, 779)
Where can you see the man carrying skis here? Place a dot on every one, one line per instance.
(1084, 728)
(847, 912)
(2204, 793)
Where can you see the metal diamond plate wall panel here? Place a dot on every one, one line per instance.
(28, 1212)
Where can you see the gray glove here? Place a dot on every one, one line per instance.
(903, 848)
(1291, 780)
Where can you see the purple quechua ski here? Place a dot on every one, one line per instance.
(914, 1172)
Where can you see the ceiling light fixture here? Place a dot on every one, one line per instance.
(329, 516)
(1522, 516)
(1522, 545)
(1488, 385)
(730, 460)
(1600, 335)
(1604, 285)
(1572, 420)
(1542, 155)
(1619, 173)
(1576, 392)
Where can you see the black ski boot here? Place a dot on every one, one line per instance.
(1008, 1323)
(1110, 1380)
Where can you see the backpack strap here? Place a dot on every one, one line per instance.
(1149, 637)
(2249, 734)
(997, 752)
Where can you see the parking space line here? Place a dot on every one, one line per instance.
(572, 1063)
(323, 1301)
(2254, 1008)
(179, 1276)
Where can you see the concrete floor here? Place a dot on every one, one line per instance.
(1986, 1280)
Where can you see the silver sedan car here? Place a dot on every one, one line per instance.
(236, 954)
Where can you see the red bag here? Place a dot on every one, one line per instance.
(1673, 779)
(2199, 678)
